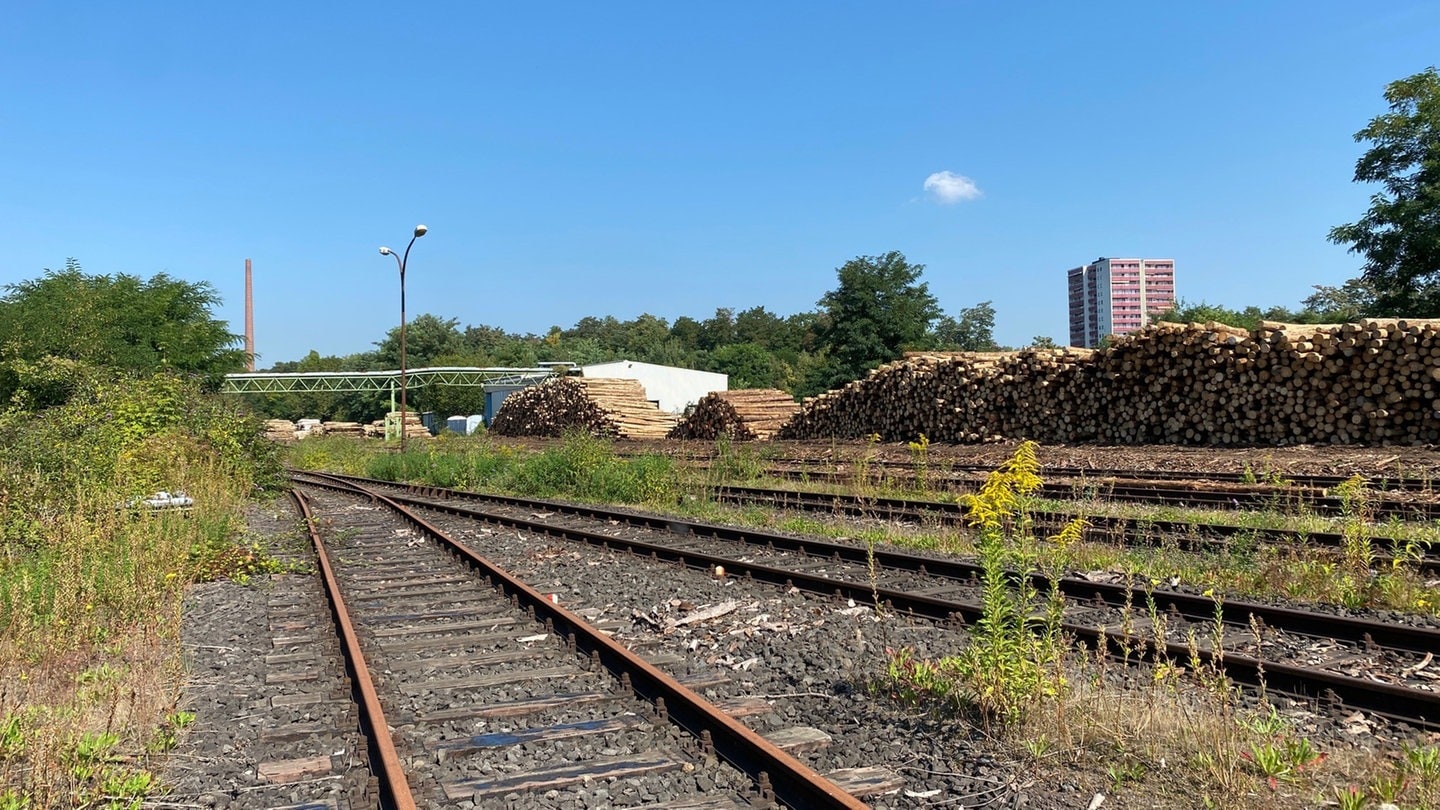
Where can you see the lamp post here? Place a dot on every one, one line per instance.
(401, 260)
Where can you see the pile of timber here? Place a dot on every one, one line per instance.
(343, 429)
(414, 428)
(596, 405)
(1369, 383)
(743, 415)
(280, 430)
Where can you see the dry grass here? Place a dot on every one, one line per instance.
(89, 662)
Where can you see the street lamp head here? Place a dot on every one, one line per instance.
(420, 231)
(385, 251)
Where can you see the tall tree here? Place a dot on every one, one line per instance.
(1349, 302)
(120, 322)
(1399, 236)
(973, 331)
(880, 309)
(426, 338)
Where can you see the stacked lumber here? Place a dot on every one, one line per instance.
(343, 429)
(599, 406)
(414, 428)
(280, 430)
(1372, 382)
(743, 415)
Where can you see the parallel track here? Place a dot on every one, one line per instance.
(1278, 498)
(1407, 703)
(1101, 528)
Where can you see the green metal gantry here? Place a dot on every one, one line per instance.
(273, 382)
(490, 379)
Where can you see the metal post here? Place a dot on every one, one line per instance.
(402, 260)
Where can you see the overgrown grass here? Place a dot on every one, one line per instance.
(580, 467)
(91, 587)
(1177, 738)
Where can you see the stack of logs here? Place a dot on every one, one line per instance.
(743, 415)
(1372, 382)
(595, 405)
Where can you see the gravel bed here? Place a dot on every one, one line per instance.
(812, 659)
(441, 677)
(273, 724)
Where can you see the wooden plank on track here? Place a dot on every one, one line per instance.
(562, 776)
(562, 731)
(798, 739)
(434, 627)
(477, 660)
(481, 681)
(441, 642)
(517, 708)
(861, 782)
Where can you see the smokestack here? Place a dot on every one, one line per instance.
(249, 318)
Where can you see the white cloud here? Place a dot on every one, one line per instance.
(948, 188)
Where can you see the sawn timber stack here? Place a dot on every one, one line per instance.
(596, 405)
(743, 415)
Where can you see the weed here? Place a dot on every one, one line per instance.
(1283, 761)
(1012, 662)
(1423, 762)
(919, 462)
(1121, 773)
(136, 784)
(1268, 724)
(1388, 785)
(734, 464)
(1038, 746)
(12, 737)
(167, 736)
(1350, 797)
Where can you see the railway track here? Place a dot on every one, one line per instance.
(1378, 482)
(495, 691)
(1101, 528)
(1350, 663)
(1189, 493)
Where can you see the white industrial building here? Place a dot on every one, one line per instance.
(673, 389)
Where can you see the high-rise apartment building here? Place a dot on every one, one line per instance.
(1117, 296)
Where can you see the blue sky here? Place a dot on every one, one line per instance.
(576, 159)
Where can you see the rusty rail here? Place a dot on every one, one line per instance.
(394, 787)
(787, 780)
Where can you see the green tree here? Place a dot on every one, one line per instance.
(749, 365)
(1043, 342)
(719, 330)
(119, 322)
(1350, 302)
(973, 331)
(1399, 236)
(880, 309)
(1247, 318)
(426, 337)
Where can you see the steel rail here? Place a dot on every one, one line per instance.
(1398, 482)
(1238, 612)
(1152, 493)
(394, 787)
(1100, 526)
(1397, 702)
(792, 782)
